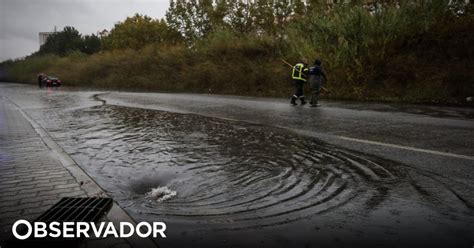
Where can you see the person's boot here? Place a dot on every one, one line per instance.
(314, 103)
(293, 100)
(303, 102)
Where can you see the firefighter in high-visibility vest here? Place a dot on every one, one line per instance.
(299, 74)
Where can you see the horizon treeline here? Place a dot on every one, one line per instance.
(70, 40)
(383, 50)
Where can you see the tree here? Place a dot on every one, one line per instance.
(69, 40)
(62, 43)
(197, 19)
(138, 31)
(239, 17)
(282, 11)
(91, 44)
(299, 7)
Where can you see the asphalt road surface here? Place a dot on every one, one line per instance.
(226, 171)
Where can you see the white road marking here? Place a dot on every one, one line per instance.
(370, 142)
(407, 148)
(316, 134)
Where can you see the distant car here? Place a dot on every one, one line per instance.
(51, 81)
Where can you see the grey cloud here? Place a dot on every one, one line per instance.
(22, 20)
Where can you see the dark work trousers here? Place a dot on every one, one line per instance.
(298, 84)
(315, 83)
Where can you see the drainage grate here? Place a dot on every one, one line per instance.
(76, 209)
(70, 210)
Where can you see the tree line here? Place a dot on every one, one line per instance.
(190, 21)
(70, 40)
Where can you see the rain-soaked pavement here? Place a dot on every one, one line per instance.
(218, 182)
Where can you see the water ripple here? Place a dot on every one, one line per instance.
(222, 171)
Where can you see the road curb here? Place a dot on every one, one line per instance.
(116, 214)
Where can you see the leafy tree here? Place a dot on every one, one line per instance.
(282, 11)
(197, 19)
(179, 17)
(263, 15)
(91, 44)
(138, 31)
(68, 41)
(299, 7)
(239, 17)
(62, 43)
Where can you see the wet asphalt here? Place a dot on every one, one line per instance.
(254, 172)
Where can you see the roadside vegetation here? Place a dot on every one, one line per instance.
(410, 51)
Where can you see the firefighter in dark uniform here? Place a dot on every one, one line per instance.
(299, 73)
(316, 78)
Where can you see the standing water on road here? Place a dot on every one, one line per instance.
(230, 183)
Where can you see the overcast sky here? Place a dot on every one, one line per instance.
(22, 20)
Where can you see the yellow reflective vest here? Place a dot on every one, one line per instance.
(299, 72)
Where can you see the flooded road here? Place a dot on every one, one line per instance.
(224, 183)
